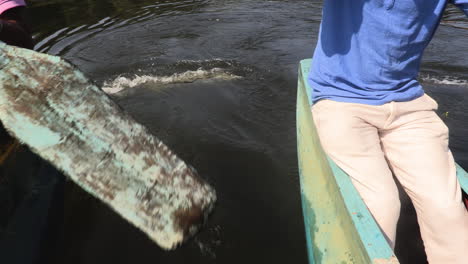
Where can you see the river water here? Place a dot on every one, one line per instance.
(216, 81)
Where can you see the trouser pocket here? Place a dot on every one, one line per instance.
(431, 102)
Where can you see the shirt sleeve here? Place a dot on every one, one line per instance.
(8, 4)
(462, 4)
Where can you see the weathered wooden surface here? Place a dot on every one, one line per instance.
(53, 108)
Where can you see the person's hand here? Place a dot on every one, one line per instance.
(14, 29)
(13, 33)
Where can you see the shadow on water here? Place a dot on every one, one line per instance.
(257, 219)
(54, 20)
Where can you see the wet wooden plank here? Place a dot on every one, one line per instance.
(53, 108)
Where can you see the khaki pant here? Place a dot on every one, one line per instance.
(409, 139)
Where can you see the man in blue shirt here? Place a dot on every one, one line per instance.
(375, 121)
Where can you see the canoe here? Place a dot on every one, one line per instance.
(338, 226)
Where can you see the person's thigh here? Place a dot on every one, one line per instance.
(353, 143)
(416, 146)
(418, 153)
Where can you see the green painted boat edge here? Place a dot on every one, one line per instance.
(362, 240)
(371, 239)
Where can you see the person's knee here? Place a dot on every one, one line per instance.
(387, 203)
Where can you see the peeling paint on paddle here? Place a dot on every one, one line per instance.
(53, 108)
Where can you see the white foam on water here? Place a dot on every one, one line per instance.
(121, 83)
(446, 80)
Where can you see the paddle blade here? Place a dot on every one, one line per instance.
(50, 106)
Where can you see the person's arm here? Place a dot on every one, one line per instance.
(462, 4)
(14, 30)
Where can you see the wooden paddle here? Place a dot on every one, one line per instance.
(52, 107)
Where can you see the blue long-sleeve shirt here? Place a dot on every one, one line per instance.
(369, 51)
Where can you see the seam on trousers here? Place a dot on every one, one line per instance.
(391, 116)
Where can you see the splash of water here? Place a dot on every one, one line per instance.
(121, 83)
(445, 80)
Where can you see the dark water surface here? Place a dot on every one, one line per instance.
(216, 80)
